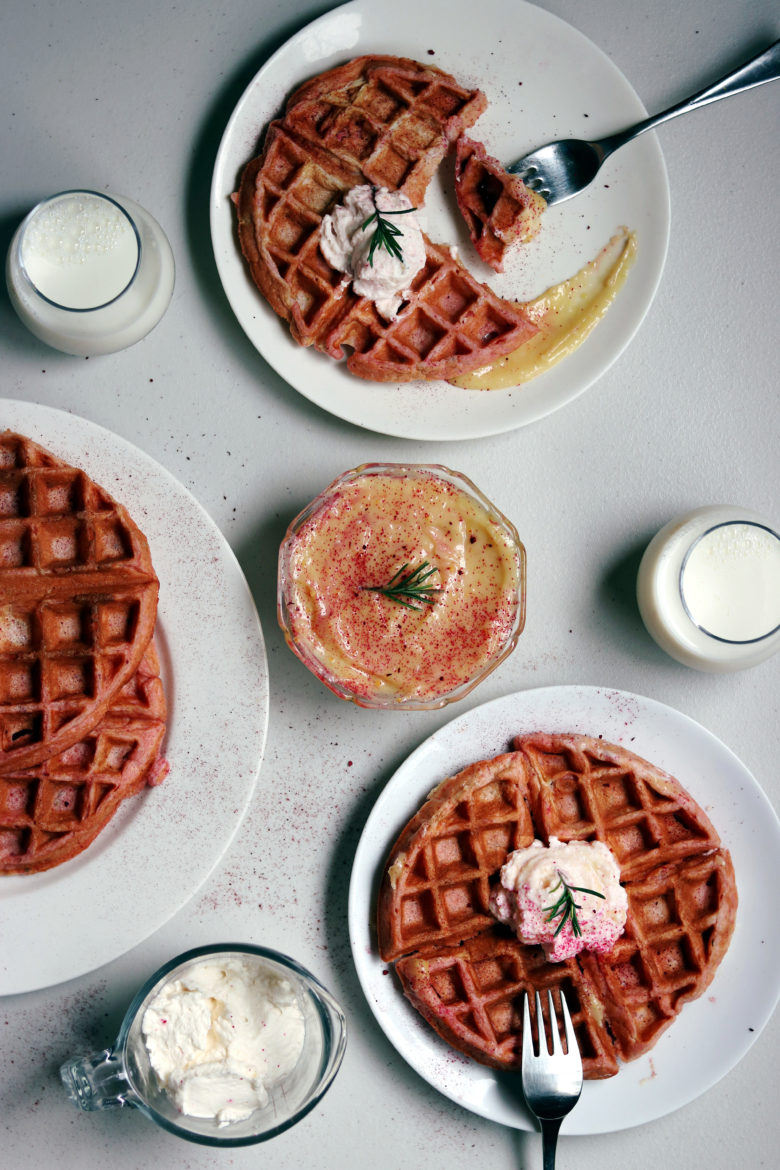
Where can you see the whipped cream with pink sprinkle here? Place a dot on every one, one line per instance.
(531, 884)
(345, 242)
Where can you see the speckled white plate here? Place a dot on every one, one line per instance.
(543, 80)
(713, 1033)
(164, 843)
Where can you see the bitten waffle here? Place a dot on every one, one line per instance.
(386, 121)
(78, 602)
(466, 973)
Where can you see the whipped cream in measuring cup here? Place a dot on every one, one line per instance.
(222, 1035)
(224, 1045)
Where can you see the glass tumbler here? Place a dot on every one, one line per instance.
(708, 588)
(88, 273)
(122, 1074)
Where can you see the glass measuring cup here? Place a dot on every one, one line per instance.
(122, 1074)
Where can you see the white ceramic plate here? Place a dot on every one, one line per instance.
(713, 1033)
(164, 843)
(544, 80)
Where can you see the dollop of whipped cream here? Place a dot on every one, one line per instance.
(221, 1036)
(534, 879)
(346, 244)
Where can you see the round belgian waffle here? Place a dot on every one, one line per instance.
(78, 602)
(386, 121)
(466, 973)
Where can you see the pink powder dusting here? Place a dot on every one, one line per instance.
(598, 932)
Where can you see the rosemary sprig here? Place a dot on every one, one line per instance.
(566, 907)
(409, 588)
(385, 233)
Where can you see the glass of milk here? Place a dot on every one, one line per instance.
(708, 588)
(89, 273)
(124, 1073)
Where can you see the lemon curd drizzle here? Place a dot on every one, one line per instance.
(566, 314)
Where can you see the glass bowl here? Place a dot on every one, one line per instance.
(460, 566)
(122, 1074)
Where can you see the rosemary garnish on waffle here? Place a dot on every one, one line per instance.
(385, 232)
(566, 907)
(409, 589)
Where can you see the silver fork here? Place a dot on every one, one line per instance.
(562, 169)
(552, 1081)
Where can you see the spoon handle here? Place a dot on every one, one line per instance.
(765, 67)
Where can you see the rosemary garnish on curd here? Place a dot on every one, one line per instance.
(408, 588)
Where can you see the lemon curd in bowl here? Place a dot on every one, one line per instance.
(401, 586)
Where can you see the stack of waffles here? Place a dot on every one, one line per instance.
(82, 707)
(466, 974)
(386, 121)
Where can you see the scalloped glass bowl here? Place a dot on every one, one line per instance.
(510, 596)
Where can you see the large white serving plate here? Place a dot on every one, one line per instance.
(164, 843)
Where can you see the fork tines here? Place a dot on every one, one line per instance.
(550, 1053)
(543, 1024)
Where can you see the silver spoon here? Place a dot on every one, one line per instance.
(562, 169)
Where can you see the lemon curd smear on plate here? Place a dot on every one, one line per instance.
(566, 314)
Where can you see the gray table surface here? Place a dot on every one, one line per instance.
(134, 98)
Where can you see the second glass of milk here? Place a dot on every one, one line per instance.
(88, 273)
(708, 588)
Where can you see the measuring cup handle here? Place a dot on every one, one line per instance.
(97, 1081)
